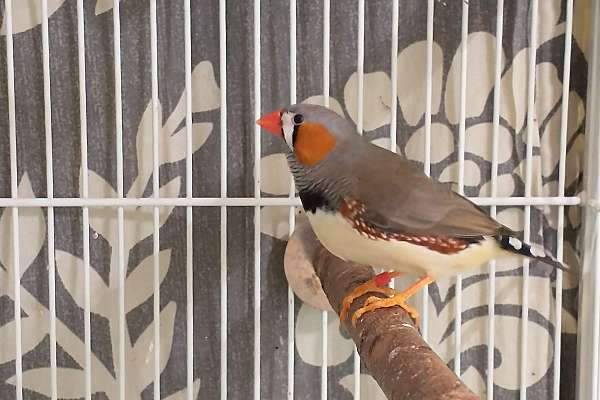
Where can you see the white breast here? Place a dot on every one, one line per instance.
(341, 239)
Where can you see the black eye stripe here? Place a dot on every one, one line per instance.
(294, 135)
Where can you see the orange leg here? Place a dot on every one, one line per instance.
(373, 303)
(377, 285)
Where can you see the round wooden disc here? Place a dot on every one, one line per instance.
(299, 269)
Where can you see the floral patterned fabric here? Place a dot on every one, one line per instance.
(206, 93)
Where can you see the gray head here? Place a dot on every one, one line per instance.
(310, 131)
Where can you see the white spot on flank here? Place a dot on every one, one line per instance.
(515, 243)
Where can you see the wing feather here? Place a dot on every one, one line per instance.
(399, 197)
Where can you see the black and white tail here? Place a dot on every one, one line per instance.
(517, 246)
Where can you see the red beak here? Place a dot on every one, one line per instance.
(271, 122)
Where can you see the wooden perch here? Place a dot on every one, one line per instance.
(390, 346)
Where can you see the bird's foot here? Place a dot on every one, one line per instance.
(398, 300)
(378, 285)
(374, 303)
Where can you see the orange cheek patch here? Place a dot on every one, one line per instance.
(313, 143)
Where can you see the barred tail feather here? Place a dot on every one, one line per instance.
(517, 246)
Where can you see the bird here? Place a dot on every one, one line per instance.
(372, 206)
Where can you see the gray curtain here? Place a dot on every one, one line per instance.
(275, 70)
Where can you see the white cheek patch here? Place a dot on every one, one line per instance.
(288, 129)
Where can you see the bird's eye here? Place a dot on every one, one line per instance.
(298, 119)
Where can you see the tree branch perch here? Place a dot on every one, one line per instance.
(390, 346)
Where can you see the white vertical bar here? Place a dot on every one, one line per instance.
(360, 64)
(10, 78)
(257, 154)
(394, 75)
(50, 195)
(596, 315)
(494, 192)
(324, 314)
(120, 194)
(17, 307)
(223, 238)
(589, 283)
(326, 57)
(461, 174)
(156, 195)
(84, 187)
(528, 182)
(561, 192)
(292, 216)
(427, 161)
(189, 193)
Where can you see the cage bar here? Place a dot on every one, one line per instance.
(324, 314)
(223, 172)
(257, 220)
(10, 78)
(394, 76)
(49, 194)
(84, 186)
(528, 183)
(394, 79)
(360, 64)
(189, 219)
(292, 216)
(155, 194)
(494, 191)
(564, 120)
(427, 160)
(120, 194)
(461, 174)
(589, 284)
(249, 202)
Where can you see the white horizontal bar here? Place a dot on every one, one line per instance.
(249, 202)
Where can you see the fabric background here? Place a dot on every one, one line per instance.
(137, 143)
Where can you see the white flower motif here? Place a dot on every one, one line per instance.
(377, 99)
(369, 389)
(27, 14)
(103, 6)
(308, 338)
